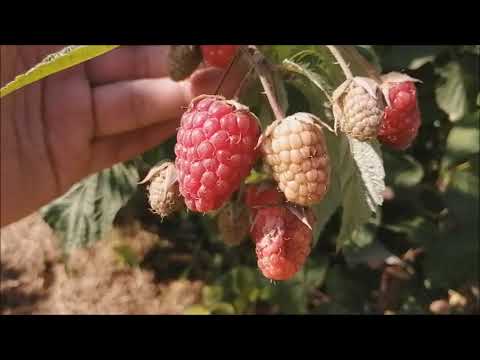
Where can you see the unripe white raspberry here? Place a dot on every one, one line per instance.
(358, 108)
(296, 151)
(163, 193)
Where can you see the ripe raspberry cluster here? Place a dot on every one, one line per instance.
(219, 141)
(215, 151)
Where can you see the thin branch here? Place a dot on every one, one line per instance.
(243, 84)
(264, 72)
(341, 61)
(358, 58)
(227, 71)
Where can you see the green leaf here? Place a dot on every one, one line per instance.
(290, 296)
(127, 255)
(451, 95)
(364, 235)
(277, 53)
(212, 295)
(256, 177)
(356, 212)
(349, 288)
(316, 272)
(453, 260)
(462, 141)
(197, 310)
(222, 309)
(408, 57)
(87, 210)
(334, 196)
(403, 170)
(418, 230)
(53, 63)
(473, 49)
(157, 154)
(244, 280)
(304, 70)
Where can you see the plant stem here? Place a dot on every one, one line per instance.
(227, 71)
(243, 84)
(341, 61)
(358, 58)
(264, 72)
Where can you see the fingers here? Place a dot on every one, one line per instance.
(143, 62)
(131, 105)
(114, 149)
(128, 63)
(206, 81)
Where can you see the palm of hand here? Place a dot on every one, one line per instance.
(84, 119)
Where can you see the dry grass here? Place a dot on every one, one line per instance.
(36, 280)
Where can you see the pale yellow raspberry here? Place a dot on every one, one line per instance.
(360, 107)
(296, 151)
(163, 193)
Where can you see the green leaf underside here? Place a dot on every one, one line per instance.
(452, 93)
(54, 63)
(86, 211)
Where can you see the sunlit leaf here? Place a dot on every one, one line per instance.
(53, 63)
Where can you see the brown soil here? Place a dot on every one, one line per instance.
(35, 277)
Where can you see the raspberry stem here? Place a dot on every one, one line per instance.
(264, 72)
(341, 61)
(243, 84)
(358, 58)
(227, 71)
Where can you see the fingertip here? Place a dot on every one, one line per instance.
(205, 81)
(208, 80)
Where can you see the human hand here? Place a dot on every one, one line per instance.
(59, 130)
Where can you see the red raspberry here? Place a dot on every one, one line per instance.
(218, 55)
(214, 150)
(282, 242)
(263, 195)
(401, 120)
